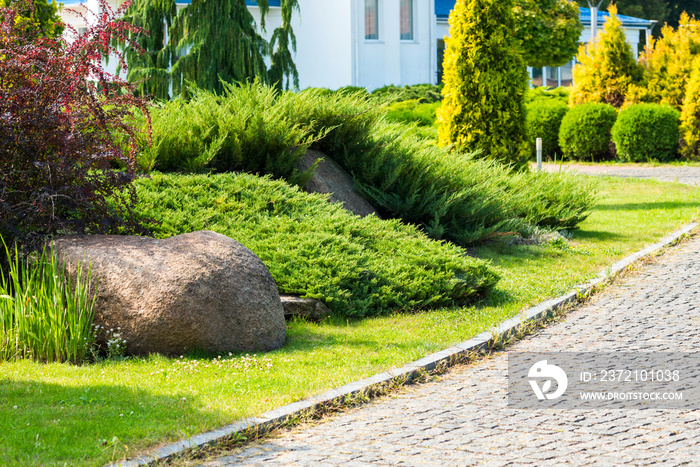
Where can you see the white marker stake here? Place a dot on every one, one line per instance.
(538, 145)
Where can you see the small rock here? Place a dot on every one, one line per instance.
(309, 308)
(331, 178)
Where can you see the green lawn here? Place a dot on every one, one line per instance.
(60, 414)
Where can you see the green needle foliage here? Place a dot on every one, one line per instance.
(358, 266)
(606, 68)
(451, 195)
(549, 31)
(43, 316)
(485, 81)
(205, 43)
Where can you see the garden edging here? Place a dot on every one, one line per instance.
(282, 416)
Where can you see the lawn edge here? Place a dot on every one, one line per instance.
(511, 328)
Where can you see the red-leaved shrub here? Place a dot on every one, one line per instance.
(67, 151)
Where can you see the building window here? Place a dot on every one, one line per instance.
(552, 76)
(567, 75)
(536, 77)
(406, 20)
(371, 20)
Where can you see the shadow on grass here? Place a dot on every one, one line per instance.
(51, 424)
(596, 235)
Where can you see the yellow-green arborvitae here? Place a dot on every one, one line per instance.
(485, 82)
(690, 115)
(606, 67)
(667, 65)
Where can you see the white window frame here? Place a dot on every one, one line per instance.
(370, 3)
(412, 18)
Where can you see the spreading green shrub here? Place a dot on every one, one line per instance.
(485, 81)
(241, 129)
(543, 120)
(645, 132)
(423, 93)
(413, 111)
(585, 132)
(557, 200)
(358, 266)
(450, 195)
(542, 93)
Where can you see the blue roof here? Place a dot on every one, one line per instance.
(585, 16)
(443, 8)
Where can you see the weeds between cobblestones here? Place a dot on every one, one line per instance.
(500, 341)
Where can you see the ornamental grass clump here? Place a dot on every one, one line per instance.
(44, 314)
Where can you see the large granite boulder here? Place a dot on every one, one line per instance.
(330, 177)
(197, 291)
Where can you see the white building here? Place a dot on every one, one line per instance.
(373, 43)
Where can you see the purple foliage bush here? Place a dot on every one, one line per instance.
(67, 149)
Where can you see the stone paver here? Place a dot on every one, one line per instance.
(463, 418)
(679, 174)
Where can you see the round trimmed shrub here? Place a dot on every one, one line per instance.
(585, 131)
(645, 132)
(543, 120)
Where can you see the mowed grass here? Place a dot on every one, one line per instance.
(61, 414)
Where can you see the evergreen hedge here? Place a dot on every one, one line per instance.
(646, 132)
(543, 120)
(585, 132)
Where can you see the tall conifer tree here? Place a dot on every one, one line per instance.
(485, 82)
(607, 67)
(206, 42)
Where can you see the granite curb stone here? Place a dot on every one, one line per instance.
(448, 357)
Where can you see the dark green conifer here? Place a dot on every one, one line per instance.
(206, 42)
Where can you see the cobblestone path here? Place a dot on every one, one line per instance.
(680, 174)
(463, 418)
